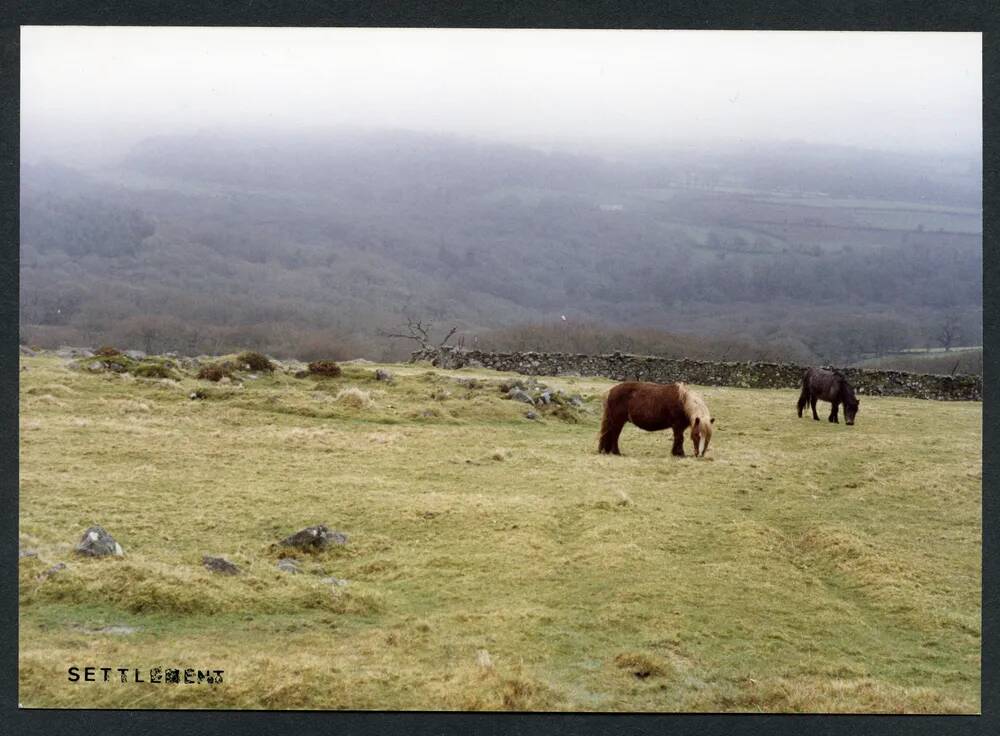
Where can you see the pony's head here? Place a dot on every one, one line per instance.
(701, 434)
(851, 411)
(851, 402)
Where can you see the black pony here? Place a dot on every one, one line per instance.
(819, 383)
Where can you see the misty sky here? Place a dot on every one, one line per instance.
(92, 86)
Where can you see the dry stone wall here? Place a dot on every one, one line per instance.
(625, 367)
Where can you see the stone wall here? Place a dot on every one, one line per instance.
(624, 367)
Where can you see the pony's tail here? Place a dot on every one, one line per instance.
(609, 432)
(602, 441)
(804, 395)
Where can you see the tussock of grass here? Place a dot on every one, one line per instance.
(48, 399)
(150, 588)
(133, 407)
(813, 695)
(474, 687)
(642, 665)
(49, 389)
(354, 397)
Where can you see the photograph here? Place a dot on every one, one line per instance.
(500, 369)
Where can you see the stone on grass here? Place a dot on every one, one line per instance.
(58, 567)
(337, 582)
(531, 415)
(518, 395)
(219, 565)
(381, 375)
(70, 352)
(96, 542)
(287, 565)
(314, 538)
(135, 354)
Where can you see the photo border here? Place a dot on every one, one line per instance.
(890, 15)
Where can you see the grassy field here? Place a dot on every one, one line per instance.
(495, 562)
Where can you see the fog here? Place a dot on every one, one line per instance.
(93, 91)
(807, 197)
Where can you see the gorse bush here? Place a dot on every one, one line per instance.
(324, 368)
(216, 371)
(256, 361)
(153, 370)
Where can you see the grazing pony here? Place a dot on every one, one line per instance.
(652, 407)
(819, 383)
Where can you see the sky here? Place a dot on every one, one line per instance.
(88, 88)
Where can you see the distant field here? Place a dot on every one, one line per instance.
(496, 562)
(956, 361)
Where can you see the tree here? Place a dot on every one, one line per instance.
(949, 331)
(419, 331)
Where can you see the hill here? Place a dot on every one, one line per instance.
(494, 561)
(317, 242)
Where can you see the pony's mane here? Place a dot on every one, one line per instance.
(848, 391)
(693, 403)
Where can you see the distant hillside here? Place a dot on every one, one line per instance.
(316, 243)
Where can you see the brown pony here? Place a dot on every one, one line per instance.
(652, 407)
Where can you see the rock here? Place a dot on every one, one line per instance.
(339, 582)
(59, 567)
(225, 380)
(119, 629)
(289, 566)
(381, 375)
(219, 565)
(545, 398)
(519, 395)
(26, 553)
(531, 415)
(314, 538)
(135, 354)
(197, 394)
(576, 400)
(25, 350)
(301, 374)
(70, 352)
(96, 542)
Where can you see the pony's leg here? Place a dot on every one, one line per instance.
(678, 448)
(812, 403)
(833, 413)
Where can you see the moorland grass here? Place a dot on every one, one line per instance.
(495, 562)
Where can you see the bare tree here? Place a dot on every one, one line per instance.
(420, 332)
(949, 331)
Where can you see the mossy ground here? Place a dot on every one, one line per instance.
(801, 566)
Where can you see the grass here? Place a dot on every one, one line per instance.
(495, 562)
